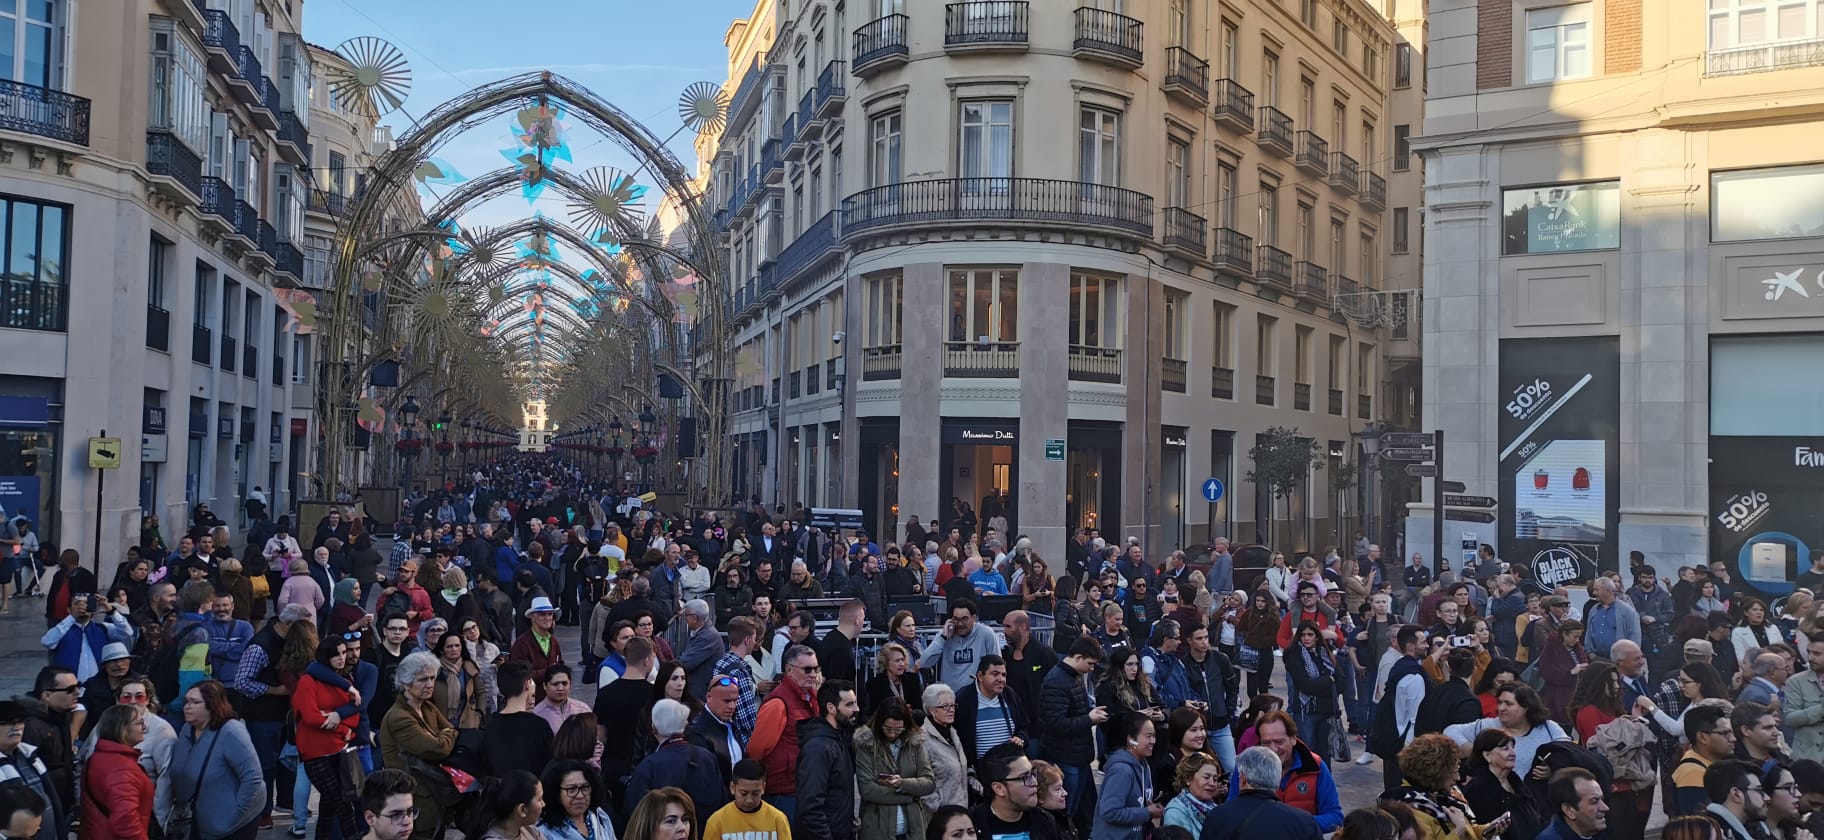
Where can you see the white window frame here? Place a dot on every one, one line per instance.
(985, 144)
(1176, 303)
(1560, 44)
(1177, 172)
(1222, 335)
(178, 87)
(884, 307)
(1226, 176)
(1770, 13)
(1099, 146)
(1095, 301)
(56, 31)
(1002, 317)
(885, 163)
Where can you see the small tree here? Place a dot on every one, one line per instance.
(1283, 459)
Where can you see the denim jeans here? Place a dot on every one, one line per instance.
(785, 802)
(1222, 742)
(268, 739)
(300, 786)
(1080, 792)
(1314, 731)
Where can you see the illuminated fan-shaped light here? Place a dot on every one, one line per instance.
(477, 247)
(377, 79)
(611, 198)
(703, 108)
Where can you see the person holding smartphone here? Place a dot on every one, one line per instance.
(76, 642)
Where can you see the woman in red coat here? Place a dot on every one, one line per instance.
(116, 792)
(327, 715)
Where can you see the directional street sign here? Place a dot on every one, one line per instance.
(1407, 439)
(1054, 449)
(1212, 490)
(1422, 470)
(1452, 486)
(1406, 454)
(1482, 516)
(1468, 501)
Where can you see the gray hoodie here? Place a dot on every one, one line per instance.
(956, 656)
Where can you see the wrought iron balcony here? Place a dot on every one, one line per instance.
(814, 244)
(880, 363)
(169, 158)
(1301, 396)
(1108, 37)
(219, 202)
(42, 112)
(265, 105)
(772, 167)
(1374, 191)
(1264, 388)
(1763, 58)
(810, 126)
(158, 329)
(1187, 76)
(880, 43)
(794, 147)
(1274, 132)
(1187, 232)
(1273, 267)
(294, 143)
(1234, 252)
(202, 344)
(247, 223)
(1095, 364)
(1172, 374)
(987, 25)
(1032, 200)
(1234, 105)
(1313, 154)
(1311, 280)
(747, 93)
(26, 304)
(831, 92)
(221, 41)
(1222, 383)
(288, 260)
(982, 359)
(245, 81)
(1345, 173)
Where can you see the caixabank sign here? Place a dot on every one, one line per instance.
(1766, 508)
(1560, 423)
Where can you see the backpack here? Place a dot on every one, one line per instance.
(168, 660)
(1557, 755)
(1627, 745)
(1385, 740)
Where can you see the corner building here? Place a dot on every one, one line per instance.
(1068, 261)
(1624, 313)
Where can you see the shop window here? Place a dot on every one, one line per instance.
(984, 305)
(1095, 306)
(1554, 218)
(1786, 202)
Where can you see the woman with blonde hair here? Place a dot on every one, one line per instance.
(1198, 778)
(235, 583)
(894, 678)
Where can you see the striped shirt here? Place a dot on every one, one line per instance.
(993, 724)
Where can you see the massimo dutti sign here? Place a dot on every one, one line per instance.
(980, 434)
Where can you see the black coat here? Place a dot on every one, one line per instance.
(1066, 735)
(682, 765)
(1445, 704)
(967, 699)
(877, 691)
(1258, 813)
(712, 735)
(826, 782)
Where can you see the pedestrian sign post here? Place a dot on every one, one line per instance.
(1054, 449)
(1212, 490)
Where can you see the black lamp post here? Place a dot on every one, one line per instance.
(1371, 457)
(615, 449)
(408, 415)
(647, 422)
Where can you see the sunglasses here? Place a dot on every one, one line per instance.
(726, 681)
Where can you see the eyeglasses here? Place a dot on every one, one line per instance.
(1030, 779)
(400, 817)
(949, 707)
(809, 669)
(1790, 788)
(726, 681)
(1721, 733)
(577, 790)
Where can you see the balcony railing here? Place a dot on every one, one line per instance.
(1187, 75)
(246, 78)
(1172, 374)
(1336, 401)
(1273, 267)
(1313, 153)
(1095, 364)
(1186, 231)
(1234, 104)
(831, 89)
(265, 105)
(1274, 131)
(1263, 390)
(230, 353)
(1374, 190)
(287, 259)
(880, 41)
(202, 344)
(1364, 406)
(1345, 173)
(809, 126)
(746, 93)
(1234, 251)
(813, 379)
(158, 328)
(247, 222)
(42, 112)
(792, 385)
(219, 201)
(1222, 383)
(1311, 280)
(989, 23)
(999, 199)
(292, 132)
(1301, 396)
(816, 242)
(982, 359)
(222, 41)
(880, 363)
(27, 304)
(250, 362)
(166, 157)
(1108, 36)
(1762, 58)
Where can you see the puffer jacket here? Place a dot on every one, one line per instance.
(879, 803)
(1067, 735)
(826, 782)
(116, 794)
(950, 765)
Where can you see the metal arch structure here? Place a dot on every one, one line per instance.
(358, 240)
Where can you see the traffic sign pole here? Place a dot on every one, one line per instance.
(1437, 505)
(100, 478)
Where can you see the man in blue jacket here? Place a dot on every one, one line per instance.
(1254, 809)
(77, 640)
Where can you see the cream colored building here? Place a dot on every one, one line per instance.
(153, 167)
(1624, 240)
(1065, 261)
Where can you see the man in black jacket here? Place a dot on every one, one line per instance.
(713, 728)
(47, 727)
(1454, 701)
(987, 714)
(826, 765)
(1068, 718)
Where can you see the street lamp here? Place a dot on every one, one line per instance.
(1371, 454)
(647, 422)
(615, 449)
(408, 416)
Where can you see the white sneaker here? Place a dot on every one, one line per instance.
(1366, 758)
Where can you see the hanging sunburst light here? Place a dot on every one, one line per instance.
(377, 79)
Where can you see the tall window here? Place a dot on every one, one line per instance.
(1222, 336)
(1269, 214)
(1175, 305)
(1231, 54)
(1338, 245)
(883, 305)
(37, 241)
(158, 267)
(178, 84)
(1402, 148)
(986, 147)
(1558, 43)
(1339, 124)
(1370, 259)
(1402, 65)
(316, 262)
(1301, 355)
(1095, 307)
(1225, 195)
(984, 305)
(338, 173)
(1269, 79)
(1265, 346)
(1367, 141)
(1177, 173)
(1099, 147)
(32, 42)
(1307, 102)
(1339, 37)
(1364, 369)
(1400, 222)
(1178, 25)
(1307, 12)
(1306, 240)
(883, 136)
(205, 295)
(1337, 362)
(814, 192)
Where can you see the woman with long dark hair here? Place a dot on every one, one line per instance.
(1756, 631)
(323, 696)
(1259, 627)
(507, 809)
(1185, 736)
(1126, 689)
(1596, 699)
(1312, 698)
(458, 692)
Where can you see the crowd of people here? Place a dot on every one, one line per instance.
(432, 688)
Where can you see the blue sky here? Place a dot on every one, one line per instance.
(639, 56)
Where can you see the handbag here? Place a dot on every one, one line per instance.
(262, 588)
(1532, 676)
(351, 773)
(1249, 657)
(181, 825)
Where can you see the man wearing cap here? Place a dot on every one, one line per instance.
(20, 762)
(539, 649)
(77, 640)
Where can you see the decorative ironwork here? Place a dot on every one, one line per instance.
(377, 79)
(1186, 231)
(1273, 267)
(987, 23)
(1105, 34)
(702, 108)
(167, 157)
(1234, 251)
(1275, 131)
(1187, 74)
(879, 40)
(998, 199)
(1313, 153)
(1234, 104)
(42, 112)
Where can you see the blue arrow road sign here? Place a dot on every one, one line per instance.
(1212, 490)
